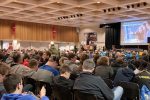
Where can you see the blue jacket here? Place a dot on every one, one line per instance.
(51, 69)
(21, 97)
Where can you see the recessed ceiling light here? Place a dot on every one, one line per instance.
(98, 2)
(57, 2)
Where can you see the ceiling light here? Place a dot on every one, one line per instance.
(128, 6)
(119, 8)
(98, 2)
(138, 5)
(104, 10)
(113, 9)
(144, 3)
(132, 6)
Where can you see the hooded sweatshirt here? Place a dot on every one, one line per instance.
(21, 97)
(124, 74)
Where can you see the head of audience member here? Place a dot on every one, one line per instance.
(73, 67)
(26, 57)
(40, 53)
(72, 57)
(17, 57)
(103, 61)
(62, 60)
(88, 65)
(65, 71)
(118, 54)
(4, 70)
(52, 62)
(46, 55)
(37, 57)
(33, 64)
(119, 61)
(13, 83)
(83, 57)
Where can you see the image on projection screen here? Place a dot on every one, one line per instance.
(135, 33)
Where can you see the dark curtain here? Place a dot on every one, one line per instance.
(112, 35)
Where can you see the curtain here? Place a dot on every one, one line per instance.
(112, 35)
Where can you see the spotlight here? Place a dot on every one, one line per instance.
(81, 14)
(132, 6)
(144, 3)
(128, 6)
(71, 16)
(113, 9)
(138, 5)
(104, 11)
(119, 8)
(64, 17)
(108, 10)
(58, 18)
(78, 15)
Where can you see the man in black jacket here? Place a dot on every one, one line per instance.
(88, 83)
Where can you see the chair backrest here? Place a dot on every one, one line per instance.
(39, 85)
(78, 95)
(109, 83)
(131, 90)
(62, 93)
(27, 81)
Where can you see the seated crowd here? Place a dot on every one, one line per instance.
(41, 75)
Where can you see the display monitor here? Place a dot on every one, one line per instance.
(135, 33)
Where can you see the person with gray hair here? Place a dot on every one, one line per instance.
(88, 65)
(88, 83)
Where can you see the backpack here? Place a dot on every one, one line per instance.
(145, 93)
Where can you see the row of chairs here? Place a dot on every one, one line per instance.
(131, 91)
(37, 85)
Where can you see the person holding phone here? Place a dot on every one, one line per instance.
(13, 85)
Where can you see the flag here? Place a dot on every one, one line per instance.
(53, 32)
(13, 29)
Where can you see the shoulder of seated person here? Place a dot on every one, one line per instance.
(28, 97)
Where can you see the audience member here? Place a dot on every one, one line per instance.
(91, 84)
(103, 69)
(40, 74)
(45, 57)
(63, 80)
(13, 85)
(18, 68)
(51, 66)
(118, 63)
(26, 60)
(124, 74)
(4, 70)
(62, 60)
(72, 57)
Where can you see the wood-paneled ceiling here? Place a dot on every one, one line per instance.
(74, 12)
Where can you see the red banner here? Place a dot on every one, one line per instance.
(53, 32)
(13, 29)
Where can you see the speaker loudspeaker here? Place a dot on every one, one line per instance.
(148, 40)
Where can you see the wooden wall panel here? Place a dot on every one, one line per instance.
(37, 32)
